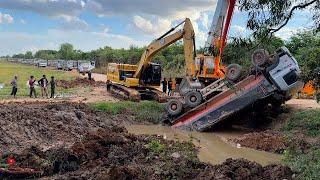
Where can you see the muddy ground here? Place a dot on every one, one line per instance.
(69, 140)
(268, 135)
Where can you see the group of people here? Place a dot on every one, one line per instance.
(167, 86)
(43, 83)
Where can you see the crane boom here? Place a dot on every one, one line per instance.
(187, 33)
(218, 32)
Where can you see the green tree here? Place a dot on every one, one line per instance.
(66, 51)
(28, 55)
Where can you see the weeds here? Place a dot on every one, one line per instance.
(155, 147)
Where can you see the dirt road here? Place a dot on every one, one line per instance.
(303, 104)
(97, 77)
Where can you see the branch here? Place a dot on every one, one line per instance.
(300, 6)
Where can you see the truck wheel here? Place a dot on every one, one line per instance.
(193, 99)
(174, 107)
(260, 58)
(234, 72)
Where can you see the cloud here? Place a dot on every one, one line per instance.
(75, 23)
(238, 28)
(204, 19)
(22, 21)
(50, 8)
(172, 9)
(287, 32)
(19, 42)
(6, 18)
(155, 27)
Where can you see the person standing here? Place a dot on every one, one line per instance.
(14, 85)
(53, 86)
(32, 82)
(90, 75)
(164, 85)
(43, 82)
(170, 86)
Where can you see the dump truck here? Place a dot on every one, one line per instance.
(274, 77)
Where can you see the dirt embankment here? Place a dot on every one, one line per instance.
(79, 82)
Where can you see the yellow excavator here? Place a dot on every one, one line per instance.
(142, 81)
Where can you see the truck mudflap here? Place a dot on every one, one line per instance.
(225, 104)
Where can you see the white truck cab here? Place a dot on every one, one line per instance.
(286, 72)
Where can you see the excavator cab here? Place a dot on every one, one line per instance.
(152, 75)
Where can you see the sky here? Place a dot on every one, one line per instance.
(31, 25)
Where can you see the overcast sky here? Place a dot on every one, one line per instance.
(89, 24)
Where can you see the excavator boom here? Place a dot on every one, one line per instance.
(187, 33)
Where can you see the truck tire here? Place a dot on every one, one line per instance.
(174, 107)
(193, 99)
(234, 72)
(259, 58)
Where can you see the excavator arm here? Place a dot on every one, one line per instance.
(187, 33)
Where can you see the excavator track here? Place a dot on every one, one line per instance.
(136, 94)
(123, 92)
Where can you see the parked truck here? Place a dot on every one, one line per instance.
(85, 67)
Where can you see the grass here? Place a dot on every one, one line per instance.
(305, 161)
(307, 164)
(144, 111)
(9, 70)
(307, 122)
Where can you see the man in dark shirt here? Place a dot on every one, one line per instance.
(14, 85)
(53, 87)
(164, 85)
(32, 81)
(43, 82)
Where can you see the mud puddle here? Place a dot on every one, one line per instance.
(212, 148)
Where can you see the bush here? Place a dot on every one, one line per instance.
(307, 122)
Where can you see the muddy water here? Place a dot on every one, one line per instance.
(212, 148)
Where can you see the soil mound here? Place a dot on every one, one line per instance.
(45, 124)
(79, 82)
(266, 141)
